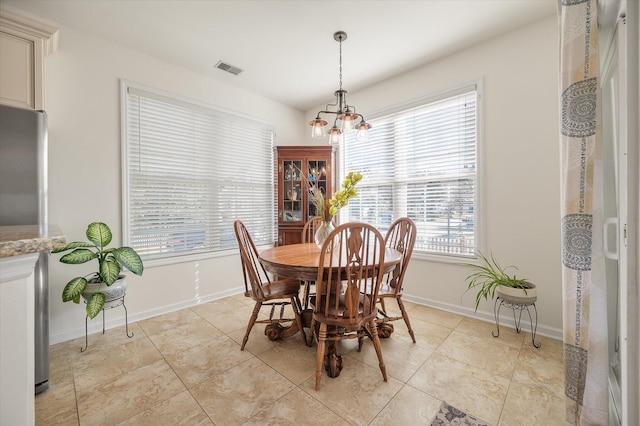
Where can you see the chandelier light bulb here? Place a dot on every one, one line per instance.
(347, 119)
(334, 135)
(318, 130)
(362, 133)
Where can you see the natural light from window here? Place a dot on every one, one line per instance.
(421, 162)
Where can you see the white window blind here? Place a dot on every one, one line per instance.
(190, 172)
(420, 161)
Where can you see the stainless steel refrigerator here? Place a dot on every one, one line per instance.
(23, 201)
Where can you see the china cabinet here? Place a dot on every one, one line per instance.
(296, 168)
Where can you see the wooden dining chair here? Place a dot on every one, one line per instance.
(346, 293)
(402, 237)
(308, 234)
(260, 288)
(310, 228)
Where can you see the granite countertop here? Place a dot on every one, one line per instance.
(25, 239)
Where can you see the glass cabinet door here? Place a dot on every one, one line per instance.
(292, 191)
(317, 175)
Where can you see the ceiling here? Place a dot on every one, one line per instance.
(286, 47)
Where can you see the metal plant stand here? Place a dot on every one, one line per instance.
(516, 307)
(114, 303)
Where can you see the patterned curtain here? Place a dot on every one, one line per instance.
(584, 295)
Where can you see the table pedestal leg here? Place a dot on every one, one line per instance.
(383, 323)
(384, 329)
(275, 330)
(332, 361)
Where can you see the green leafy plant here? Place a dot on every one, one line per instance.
(111, 261)
(488, 275)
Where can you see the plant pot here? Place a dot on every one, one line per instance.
(518, 296)
(113, 292)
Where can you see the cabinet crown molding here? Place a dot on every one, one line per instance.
(47, 33)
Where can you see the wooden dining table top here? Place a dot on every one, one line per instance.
(300, 261)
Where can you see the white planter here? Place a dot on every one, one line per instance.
(518, 296)
(322, 233)
(113, 292)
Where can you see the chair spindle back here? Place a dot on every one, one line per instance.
(254, 273)
(347, 291)
(402, 237)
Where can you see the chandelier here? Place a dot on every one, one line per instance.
(346, 117)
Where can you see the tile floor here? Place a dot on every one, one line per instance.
(186, 368)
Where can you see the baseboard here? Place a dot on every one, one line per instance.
(95, 325)
(506, 320)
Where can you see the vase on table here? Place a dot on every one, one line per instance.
(323, 232)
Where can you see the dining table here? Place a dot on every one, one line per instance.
(301, 262)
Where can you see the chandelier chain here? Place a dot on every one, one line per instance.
(340, 63)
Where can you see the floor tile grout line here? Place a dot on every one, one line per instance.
(319, 401)
(69, 355)
(186, 388)
(506, 395)
(73, 375)
(388, 402)
(147, 336)
(181, 381)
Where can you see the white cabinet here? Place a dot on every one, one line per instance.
(17, 340)
(24, 43)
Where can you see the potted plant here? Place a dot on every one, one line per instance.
(490, 278)
(95, 287)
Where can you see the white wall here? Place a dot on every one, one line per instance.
(83, 104)
(521, 164)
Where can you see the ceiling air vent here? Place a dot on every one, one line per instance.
(228, 68)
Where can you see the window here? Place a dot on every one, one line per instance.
(421, 162)
(189, 171)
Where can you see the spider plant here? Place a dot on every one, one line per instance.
(488, 275)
